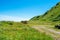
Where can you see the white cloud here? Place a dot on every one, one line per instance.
(11, 18)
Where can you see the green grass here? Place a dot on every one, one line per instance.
(52, 15)
(19, 31)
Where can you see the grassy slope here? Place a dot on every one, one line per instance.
(51, 16)
(18, 31)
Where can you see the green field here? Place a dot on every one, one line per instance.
(18, 31)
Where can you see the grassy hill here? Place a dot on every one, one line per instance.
(52, 15)
(19, 31)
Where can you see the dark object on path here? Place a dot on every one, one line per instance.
(24, 22)
(57, 26)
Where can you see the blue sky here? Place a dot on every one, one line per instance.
(17, 10)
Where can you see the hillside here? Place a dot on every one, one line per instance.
(52, 15)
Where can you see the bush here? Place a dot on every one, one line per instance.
(24, 22)
(10, 23)
(7, 22)
(57, 26)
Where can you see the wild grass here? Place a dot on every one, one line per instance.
(18, 31)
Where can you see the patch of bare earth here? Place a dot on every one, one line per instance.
(48, 31)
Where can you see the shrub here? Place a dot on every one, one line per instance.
(57, 26)
(24, 22)
(10, 23)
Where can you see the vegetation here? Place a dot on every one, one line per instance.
(24, 22)
(51, 16)
(57, 26)
(19, 31)
(23, 31)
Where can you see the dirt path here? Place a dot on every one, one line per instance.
(48, 31)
